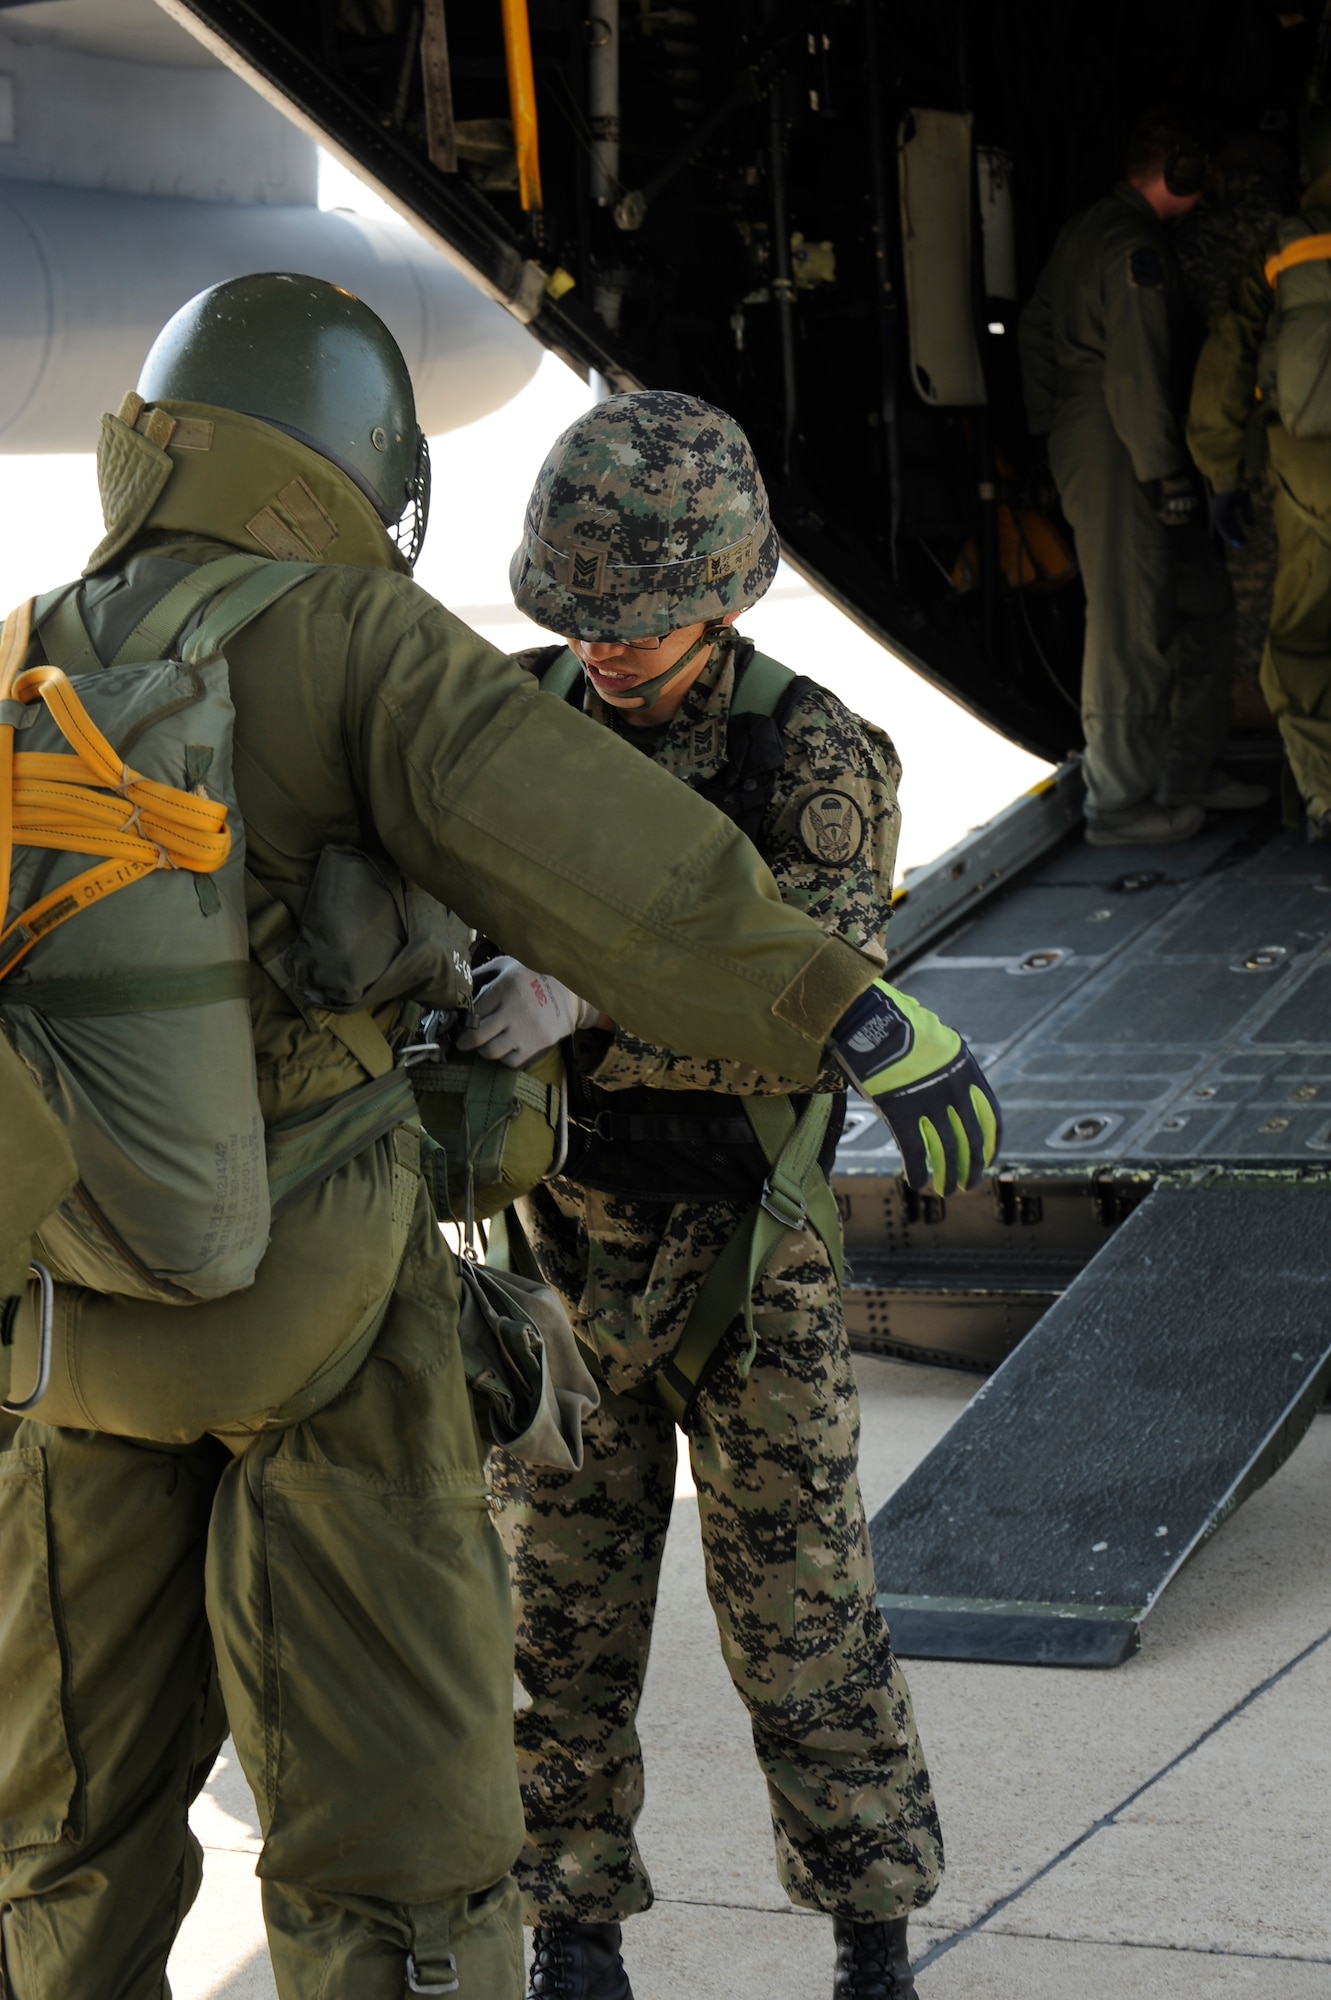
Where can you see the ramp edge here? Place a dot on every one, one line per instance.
(1012, 1634)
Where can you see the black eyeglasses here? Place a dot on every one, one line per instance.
(630, 645)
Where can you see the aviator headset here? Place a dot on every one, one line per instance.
(1187, 164)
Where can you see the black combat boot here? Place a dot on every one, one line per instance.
(578, 1962)
(872, 1961)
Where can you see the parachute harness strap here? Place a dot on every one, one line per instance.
(1303, 250)
(87, 802)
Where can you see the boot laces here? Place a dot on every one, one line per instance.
(552, 1963)
(871, 1965)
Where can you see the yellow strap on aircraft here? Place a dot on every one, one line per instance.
(87, 802)
(1304, 250)
(522, 101)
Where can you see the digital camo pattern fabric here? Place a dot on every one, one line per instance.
(774, 1450)
(1234, 225)
(829, 838)
(790, 1577)
(649, 514)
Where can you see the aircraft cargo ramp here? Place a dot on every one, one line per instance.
(1149, 1267)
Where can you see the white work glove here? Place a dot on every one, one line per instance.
(516, 1013)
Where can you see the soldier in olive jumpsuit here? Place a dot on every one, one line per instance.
(1296, 663)
(631, 1231)
(322, 1560)
(1106, 353)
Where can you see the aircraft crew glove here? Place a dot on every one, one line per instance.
(926, 1083)
(1177, 500)
(516, 1014)
(1231, 516)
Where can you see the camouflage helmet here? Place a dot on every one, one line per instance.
(649, 514)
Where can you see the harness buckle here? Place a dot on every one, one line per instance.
(790, 1209)
(45, 1347)
(414, 1985)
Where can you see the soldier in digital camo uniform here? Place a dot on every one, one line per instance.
(665, 1172)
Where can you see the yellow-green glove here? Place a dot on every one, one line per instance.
(927, 1085)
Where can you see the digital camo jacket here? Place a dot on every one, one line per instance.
(630, 1269)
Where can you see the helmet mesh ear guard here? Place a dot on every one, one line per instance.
(408, 531)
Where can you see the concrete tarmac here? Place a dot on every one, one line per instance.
(1158, 1831)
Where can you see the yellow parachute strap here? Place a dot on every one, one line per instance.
(13, 645)
(89, 803)
(1304, 250)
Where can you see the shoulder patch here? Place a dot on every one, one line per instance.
(1146, 269)
(832, 827)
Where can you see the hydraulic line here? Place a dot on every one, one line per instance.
(603, 101)
(522, 102)
(437, 79)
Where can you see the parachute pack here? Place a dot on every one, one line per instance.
(132, 1011)
(1294, 364)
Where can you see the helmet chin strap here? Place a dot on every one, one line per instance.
(645, 694)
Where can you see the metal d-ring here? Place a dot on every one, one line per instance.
(45, 1342)
(414, 1985)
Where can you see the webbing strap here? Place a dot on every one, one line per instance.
(63, 632)
(761, 686)
(361, 1036)
(271, 928)
(269, 581)
(796, 1196)
(304, 1151)
(452, 1079)
(152, 636)
(1304, 250)
(133, 992)
(562, 675)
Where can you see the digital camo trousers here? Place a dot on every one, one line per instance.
(790, 1578)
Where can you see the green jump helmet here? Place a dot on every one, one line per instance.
(312, 360)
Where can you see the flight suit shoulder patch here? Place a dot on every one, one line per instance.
(831, 827)
(1146, 268)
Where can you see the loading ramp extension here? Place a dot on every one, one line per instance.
(1167, 1383)
(1149, 1267)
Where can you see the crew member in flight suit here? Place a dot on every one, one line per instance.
(1274, 343)
(1106, 354)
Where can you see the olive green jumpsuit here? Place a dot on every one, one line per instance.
(1105, 351)
(312, 1549)
(1296, 662)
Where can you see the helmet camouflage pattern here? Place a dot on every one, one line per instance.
(649, 514)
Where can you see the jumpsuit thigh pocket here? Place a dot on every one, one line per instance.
(38, 1776)
(374, 1717)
